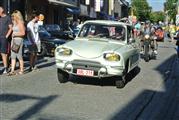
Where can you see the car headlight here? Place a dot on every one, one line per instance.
(147, 36)
(112, 57)
(64, 51)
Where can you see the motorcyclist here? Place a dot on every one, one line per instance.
(148, 30)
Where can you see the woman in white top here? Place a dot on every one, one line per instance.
(17, 38)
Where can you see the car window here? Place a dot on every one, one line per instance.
(52, 27)
(115, 32)
(43, 32)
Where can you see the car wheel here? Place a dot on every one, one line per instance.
(62, 76)
(43, 50)
(120, 83)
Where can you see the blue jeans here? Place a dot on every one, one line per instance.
(177, 48)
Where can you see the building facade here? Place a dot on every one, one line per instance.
(63, 11)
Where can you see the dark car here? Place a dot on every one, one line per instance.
(57, 31)
(48, 43)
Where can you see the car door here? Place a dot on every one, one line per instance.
(134, 47)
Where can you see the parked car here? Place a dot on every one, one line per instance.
(58, 32)
(102, 48)
(48, 43)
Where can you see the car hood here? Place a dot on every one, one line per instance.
(92, 49)
(56, 32)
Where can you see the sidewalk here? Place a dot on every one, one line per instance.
(172, 113)
(176, 100)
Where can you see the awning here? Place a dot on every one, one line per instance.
(124, 2)
(57, 2)
(74, 11)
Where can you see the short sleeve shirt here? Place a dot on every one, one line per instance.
(32, 29)
(4, 25)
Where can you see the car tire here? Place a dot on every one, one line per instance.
(43, 50)
(146, 54)
(120, 83)
(62, 76)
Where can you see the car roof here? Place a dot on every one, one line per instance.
(107, 22)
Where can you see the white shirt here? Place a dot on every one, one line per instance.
(32, 32)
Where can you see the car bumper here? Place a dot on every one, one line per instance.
(98, 70)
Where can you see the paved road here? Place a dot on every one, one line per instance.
(151, 94)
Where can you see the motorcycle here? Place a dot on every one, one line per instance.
(149, 46)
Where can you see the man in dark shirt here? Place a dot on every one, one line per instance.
(5, 31)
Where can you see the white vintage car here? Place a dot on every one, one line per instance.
(102, 48)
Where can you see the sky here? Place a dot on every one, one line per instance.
(157, 5)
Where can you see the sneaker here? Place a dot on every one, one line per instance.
(30, 69)
(5, 71)
(155, 52)
(35, 68)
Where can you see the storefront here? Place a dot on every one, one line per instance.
(55, 11)
(84, 14)
(124, 8)
(2, 3)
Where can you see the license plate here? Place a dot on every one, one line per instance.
(85, 72)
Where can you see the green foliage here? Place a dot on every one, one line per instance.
(141, 9)
(157, 16)
(170, 8)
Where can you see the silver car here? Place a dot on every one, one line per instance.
(101, 49)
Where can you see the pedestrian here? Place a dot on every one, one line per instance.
(172, 30)
(5, 32)
(17, 40)
(177, 43)
(33, 37)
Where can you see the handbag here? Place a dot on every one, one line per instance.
(15, 47)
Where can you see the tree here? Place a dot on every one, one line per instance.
(170, 8)
(141, 9)
(157, 16)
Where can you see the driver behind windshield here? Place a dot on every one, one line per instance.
(101, 31)
(119, 33)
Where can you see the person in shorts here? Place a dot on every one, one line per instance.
(34, 40)
(5, 32)
(17, 39)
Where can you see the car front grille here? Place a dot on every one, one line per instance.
(87, 65)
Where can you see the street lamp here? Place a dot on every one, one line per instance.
(8, 6)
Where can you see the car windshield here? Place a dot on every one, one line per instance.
(53, 27)
(43, 32)
(114, 32)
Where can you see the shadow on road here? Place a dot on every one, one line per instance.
(41, 63)
(27, 114)
(154, 105)
(15, 97)
(46, 65)
(110, 81)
